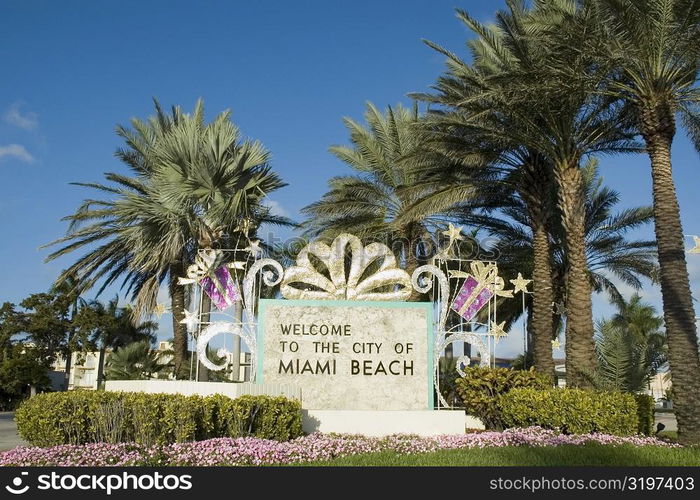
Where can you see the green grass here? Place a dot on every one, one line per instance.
(589, 454)
(669, 435)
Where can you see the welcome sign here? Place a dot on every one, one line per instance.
(347, 355)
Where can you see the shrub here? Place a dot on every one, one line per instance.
(645, 414)
(571, 411)
(480, 388)
(153, 419)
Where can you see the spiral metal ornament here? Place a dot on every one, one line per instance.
(270, 277)
(462, 360)
(423, 285)
(470, 338)
(218, 328)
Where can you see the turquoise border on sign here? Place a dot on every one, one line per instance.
(428, 306)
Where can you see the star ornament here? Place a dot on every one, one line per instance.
(453, 232)
(159, 310)
(254, 248)
(520, 284)
(556, 344)
(497, 331)
(696, 248)
(191, 320)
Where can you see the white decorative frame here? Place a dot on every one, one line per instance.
(388, 282)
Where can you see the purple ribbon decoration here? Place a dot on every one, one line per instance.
(222, 289)
(472, 297)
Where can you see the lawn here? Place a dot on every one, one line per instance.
(587, 454)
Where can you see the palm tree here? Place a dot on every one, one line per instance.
(522, 183)
(70, 289)
(609, 253)
(192, 184)
(559, 118)
(631, 347)
(112, 327)
(652, 48)
(135, 361)
(375, 203)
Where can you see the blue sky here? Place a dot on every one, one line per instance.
(289, 71)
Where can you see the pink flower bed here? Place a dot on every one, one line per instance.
(254, 451)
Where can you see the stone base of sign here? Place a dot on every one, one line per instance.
(188, 388)
(384, 423)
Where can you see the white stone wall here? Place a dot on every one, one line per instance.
(188, 388)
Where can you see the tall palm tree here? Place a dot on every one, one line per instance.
(191, 183)
(611, 256)
(631, 346)
(374, 204)
(559, 118)
(652, 47)
(521, 181)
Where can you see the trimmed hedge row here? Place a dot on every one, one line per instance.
(571, 411)
(503, 397)
(115, 417)
(480, 389)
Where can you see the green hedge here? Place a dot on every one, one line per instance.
(86, 417)
(571, 411)
(480, 388)
(645, 414)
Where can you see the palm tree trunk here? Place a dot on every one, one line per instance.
(203, 371)
(177, 301)
(536, 191)
(236, 349)
(71, 335)
(101, 365)
(69, 363)
(542, 299)
(658, 129)
(580, 350)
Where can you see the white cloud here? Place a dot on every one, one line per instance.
(25, 120)
(16, 151)
(276, 208)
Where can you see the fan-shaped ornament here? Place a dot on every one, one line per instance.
(305, 282)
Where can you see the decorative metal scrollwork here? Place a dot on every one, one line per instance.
(345, 269)
(423, 285)
(471, 338)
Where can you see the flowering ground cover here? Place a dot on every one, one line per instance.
(326, 448)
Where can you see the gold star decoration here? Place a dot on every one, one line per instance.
(696, 248)
(520, 284)
(244, 226)
(453, 233)
(497, 331)
(556, 344)
(254, 248)
(191, 320)
(159, 310)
